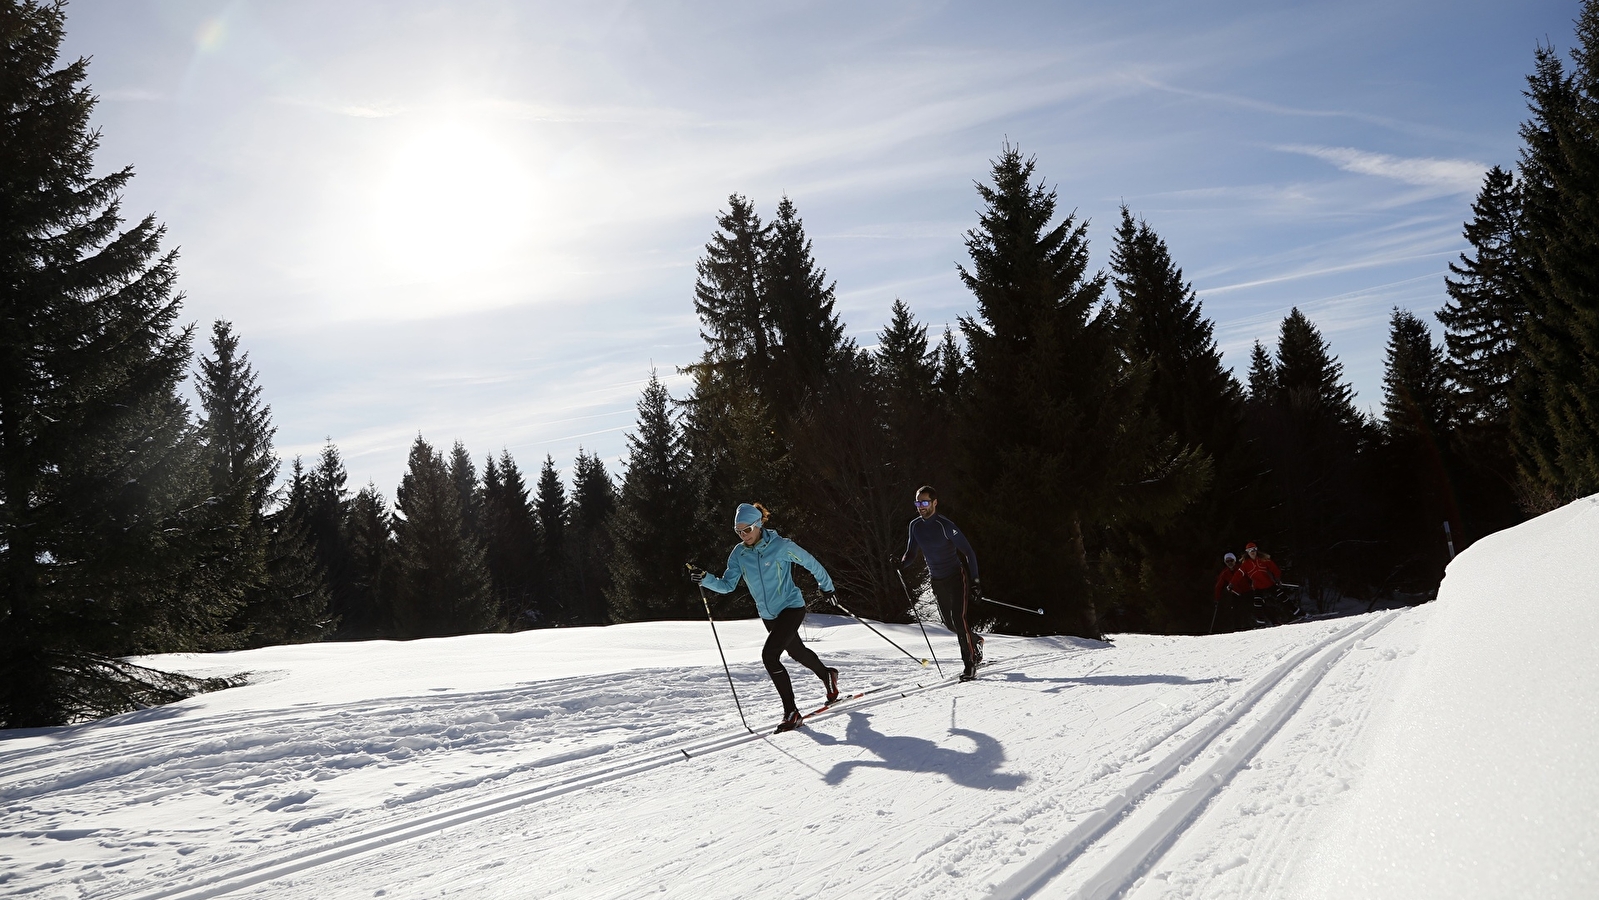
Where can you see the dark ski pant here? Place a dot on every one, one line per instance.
(782, 634)
(951, 596)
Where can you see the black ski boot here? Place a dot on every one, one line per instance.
(791, 720)
(970, 672)
(832, 685)
(977, 649)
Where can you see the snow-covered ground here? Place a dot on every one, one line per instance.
(1451, 750)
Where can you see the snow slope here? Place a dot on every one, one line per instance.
(1443, 751)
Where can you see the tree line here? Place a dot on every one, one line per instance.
(1081, 426)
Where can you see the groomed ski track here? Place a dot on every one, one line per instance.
(1073, 770)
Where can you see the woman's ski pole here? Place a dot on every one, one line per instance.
(875, 631)
(728, 672)
(912, 600)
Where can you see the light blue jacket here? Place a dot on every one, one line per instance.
(765, 568)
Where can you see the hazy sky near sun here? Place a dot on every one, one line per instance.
(479, 220)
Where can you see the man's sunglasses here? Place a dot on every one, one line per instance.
(923, 504)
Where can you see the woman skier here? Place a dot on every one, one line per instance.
(762, 559)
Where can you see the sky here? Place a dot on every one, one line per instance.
(479, 221)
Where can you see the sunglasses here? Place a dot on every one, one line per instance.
(923, 504)
(742, 530)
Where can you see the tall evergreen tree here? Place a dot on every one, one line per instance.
(512, 541)
(1555, 413)
(809, 335)
(102, 540)
(290, 602)
(1262, 375)
(1053, 420)
(325, 517)
(464, 474)
(1160, 568)
(369, 611)
(1415, 398)
(649, 532)
(442, 585)
(588, 537)
(1484, 314)
(551, 509)
(735, 314)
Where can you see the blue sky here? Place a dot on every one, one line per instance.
(479, 220)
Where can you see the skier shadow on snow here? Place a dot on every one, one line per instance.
(1109, 680)
(977, 768)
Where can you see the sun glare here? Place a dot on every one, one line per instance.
(452, 200)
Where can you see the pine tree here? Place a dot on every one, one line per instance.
(809, 335)
(1555, 401)
(1262, 375)
(1310, 376)
(649, 529)
(588, 537)
(103, 542)
(464, 474)
(735, 316)
(369, 611)
(1417, 470)
(1052, 417)
(951, 364)
(1158, 569)
(326, 514)
(289, 604)
(551, 509)
(1484, 314)
(442, 584)
(512, 541)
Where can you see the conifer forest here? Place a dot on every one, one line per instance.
(1080, 424)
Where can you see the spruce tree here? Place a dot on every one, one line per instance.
(588, 537)
(464, 474)
(442, 585)
(1053, 419)
(1159, 569)
(1484, 314)
(1262, 375)
(369, 610)
(289, 605)
(809, 335)
(1555, 401)
(1415, 398)
(326, 516)
(103, 543)
(512, 540)
(735, 316)
(649, 530)
(551, 509)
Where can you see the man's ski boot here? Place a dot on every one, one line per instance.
(791, 720)
(977, 649)
(832, 685)
(970, 672)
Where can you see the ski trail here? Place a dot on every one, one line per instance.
(364, 840)
(1103, 828)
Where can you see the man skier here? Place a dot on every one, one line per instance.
(955, 585)
(1231, 586)
(762, 559)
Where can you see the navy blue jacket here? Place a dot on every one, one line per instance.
(942, 545)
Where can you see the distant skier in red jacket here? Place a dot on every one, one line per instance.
(1231, 585)
(1256, 566)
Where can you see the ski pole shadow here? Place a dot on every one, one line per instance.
(1062, 684)
(976, 768)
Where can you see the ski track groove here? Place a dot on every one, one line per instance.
(1131, 856)
(290, 862)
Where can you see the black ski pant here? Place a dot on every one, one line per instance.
(951, 596)
(782, 634)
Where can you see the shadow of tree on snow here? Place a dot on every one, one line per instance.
(976, 768)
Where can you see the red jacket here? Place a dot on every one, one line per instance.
(1262, 573)
(1233, 578)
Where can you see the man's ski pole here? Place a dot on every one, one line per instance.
(1036, 612)
(875, 631)
(728, 672)
(1213, 610)
(929, 640)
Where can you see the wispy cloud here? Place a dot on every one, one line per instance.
(1462, 175)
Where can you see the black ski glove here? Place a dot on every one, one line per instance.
(830, 597)
(696, 574)
(977, 591)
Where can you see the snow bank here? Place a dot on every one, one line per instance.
(1487, 782)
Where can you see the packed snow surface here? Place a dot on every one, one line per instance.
(1443, 751)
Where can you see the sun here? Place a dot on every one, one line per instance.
(451, 201)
